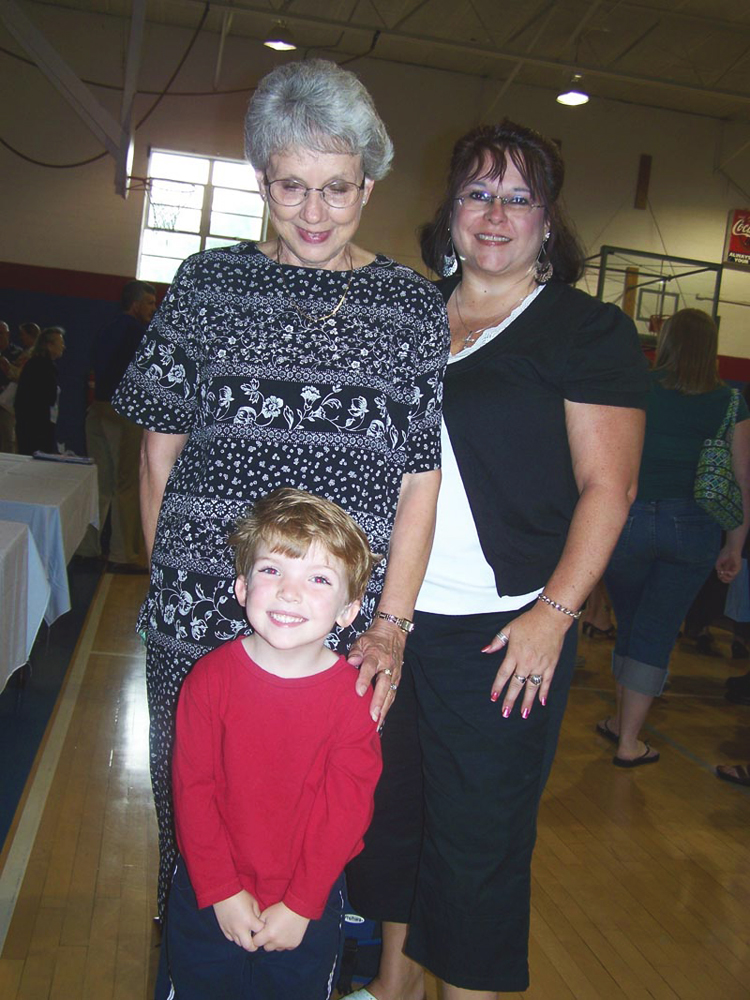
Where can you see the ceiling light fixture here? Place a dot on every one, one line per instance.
(575, 94)
(280, 38)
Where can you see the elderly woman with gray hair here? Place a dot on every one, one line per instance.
(302, 361)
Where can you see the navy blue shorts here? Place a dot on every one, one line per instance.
(203, 965)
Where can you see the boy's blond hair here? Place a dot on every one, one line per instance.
(290, 521)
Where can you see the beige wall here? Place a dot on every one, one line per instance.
(73, 219)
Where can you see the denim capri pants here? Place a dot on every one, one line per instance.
(665, 552)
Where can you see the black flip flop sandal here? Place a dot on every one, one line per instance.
(637, 761)
(742, 777)
(603, 729)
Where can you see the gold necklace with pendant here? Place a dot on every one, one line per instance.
(303, 314)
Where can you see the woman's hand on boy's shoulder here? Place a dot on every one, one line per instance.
(283, 930)
(239, 918)
(379, 653)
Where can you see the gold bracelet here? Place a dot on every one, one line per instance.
(403, 623)
(559, 607)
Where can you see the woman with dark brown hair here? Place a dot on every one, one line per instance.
(541, 440)
(669, 543)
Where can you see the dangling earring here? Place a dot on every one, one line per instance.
(543, 268)
(450, 261)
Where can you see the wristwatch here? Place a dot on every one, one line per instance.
(403, 623)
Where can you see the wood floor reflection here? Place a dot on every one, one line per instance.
(641, 878)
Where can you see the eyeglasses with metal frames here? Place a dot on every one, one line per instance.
(336, 194)
(481, 201)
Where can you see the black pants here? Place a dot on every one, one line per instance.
(203, 965)
(463, 881)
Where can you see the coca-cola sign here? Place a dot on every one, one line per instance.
(737, 246)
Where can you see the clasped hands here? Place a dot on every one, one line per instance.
(276, 928)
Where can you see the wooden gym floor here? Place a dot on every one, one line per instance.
(641, 878)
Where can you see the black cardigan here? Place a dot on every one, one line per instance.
(504, 410)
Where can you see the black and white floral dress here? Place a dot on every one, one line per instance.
(342, 407)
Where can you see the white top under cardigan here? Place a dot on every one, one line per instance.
(459, 580)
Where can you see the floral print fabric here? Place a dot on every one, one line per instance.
(270, 396)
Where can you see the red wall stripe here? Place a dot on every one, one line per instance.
(73, 284)
(84, 285)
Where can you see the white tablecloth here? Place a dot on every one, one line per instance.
(57, 502)
(25, 594)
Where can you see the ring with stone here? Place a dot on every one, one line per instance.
(535, 679)
(387, 671)
(394, 687)
(520, 678)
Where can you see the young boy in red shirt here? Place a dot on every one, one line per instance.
(275, 765)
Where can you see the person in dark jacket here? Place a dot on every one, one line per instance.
(8, 379)
(37, 397)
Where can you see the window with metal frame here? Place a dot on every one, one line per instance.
(195, 203)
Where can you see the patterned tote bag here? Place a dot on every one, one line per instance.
(716, 489)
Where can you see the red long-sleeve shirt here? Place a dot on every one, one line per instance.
(273, 779)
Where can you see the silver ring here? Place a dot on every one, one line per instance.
(394, 687)
(503, 638)
(387, 671)
(520, 678)
(535, 679)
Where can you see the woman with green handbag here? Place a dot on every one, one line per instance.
(694, 480)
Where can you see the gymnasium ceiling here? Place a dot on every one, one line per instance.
(684, 55)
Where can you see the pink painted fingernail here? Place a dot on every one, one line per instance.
(543, 701)
(494, 696)
(525, 713)
(506, 712)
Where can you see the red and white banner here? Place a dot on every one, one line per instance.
(737, 244)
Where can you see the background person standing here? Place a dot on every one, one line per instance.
(670, 543)
(114, 441)
(28, 334)
(8, 376)
(38, 395)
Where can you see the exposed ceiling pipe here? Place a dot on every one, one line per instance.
(226, 26)
(489, 51)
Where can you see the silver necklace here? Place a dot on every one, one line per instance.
(474, 335)
(303, 314)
